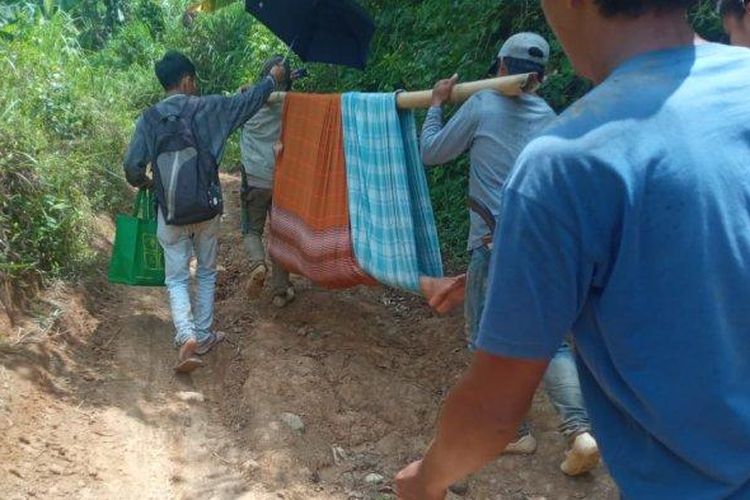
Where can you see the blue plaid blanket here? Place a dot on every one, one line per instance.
(393, 226)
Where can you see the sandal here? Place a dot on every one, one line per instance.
(206, 347)
(188, 362)
(282, 299)
(189, 365)
(258, 275)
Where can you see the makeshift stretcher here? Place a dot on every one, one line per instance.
(514, 85)
(351, 204)
(310, 233)
(392, 223)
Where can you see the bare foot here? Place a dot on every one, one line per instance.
(430, 286)
(444, 294)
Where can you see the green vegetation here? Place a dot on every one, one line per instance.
(70, 97)
(63, 124)
(77, 73)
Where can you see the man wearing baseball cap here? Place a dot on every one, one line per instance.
(494, 129)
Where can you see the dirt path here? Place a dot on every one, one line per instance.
(323, 400)
(108, 420)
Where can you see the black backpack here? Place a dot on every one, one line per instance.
(187, 176)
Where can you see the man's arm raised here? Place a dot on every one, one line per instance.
(442, 143)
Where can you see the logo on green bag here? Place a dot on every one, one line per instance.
(152, 255)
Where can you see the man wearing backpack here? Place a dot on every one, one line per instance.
(183, 139)
(260, 146)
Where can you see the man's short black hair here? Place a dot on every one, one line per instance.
(736, 8)
(635, 8)
(517, 66)
(172, 68)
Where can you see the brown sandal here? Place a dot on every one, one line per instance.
(188, 362)
(189, 365)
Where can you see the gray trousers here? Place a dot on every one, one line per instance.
(256, 205)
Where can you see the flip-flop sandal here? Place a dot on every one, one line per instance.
(258, 274)
(189, 365)
(283, 299)
(216, 339)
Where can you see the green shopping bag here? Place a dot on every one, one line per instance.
(137, 257)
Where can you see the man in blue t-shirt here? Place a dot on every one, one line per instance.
(627, 222)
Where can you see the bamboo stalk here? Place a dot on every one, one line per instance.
(507, 85)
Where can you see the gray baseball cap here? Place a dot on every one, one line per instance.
(527, 46)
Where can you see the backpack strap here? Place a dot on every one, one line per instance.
(187, 116)
(481, 209)
(188, 111)
(152, 116)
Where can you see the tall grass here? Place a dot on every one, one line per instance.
(70, 96)
(64, 124)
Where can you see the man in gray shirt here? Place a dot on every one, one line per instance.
(495, 129)
(215, 118)
(260, 145)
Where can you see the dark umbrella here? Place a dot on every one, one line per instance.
(326, 31)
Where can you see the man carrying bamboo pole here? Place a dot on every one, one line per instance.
(260, 146)
(495, 128)
(626, 221)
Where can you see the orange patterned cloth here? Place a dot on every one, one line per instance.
(310, 233)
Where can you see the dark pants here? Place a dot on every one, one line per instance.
(256, 205)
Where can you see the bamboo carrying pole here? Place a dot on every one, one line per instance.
(507, 85)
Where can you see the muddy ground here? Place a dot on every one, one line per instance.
(90, 406)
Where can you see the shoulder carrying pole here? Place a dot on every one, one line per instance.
(507, 85)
